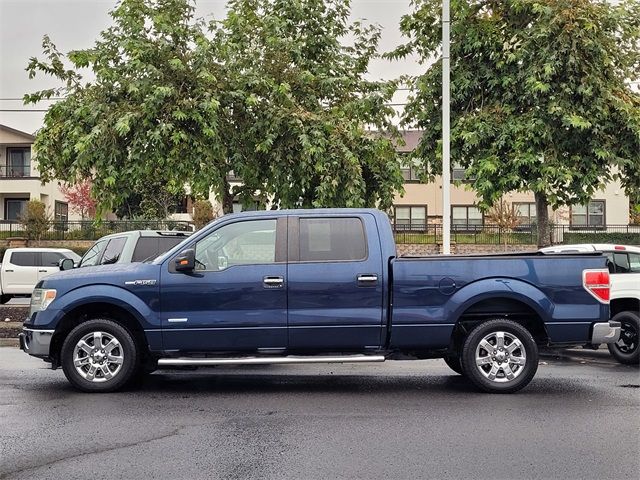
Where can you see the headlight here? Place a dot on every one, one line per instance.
(41, 299)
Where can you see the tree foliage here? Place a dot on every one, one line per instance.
(79, 198)
(301, 106)
(150, 115)
(539, 99)
(274, 92)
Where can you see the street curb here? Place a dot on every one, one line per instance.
(9, 342)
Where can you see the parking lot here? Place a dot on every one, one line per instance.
(579, 418)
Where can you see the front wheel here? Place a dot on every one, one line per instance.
(626, 350)
(500, 356)
(99, 356)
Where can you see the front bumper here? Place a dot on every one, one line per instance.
(35, 342)
(606, 332)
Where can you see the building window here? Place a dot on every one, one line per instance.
(232, 177)
(591, 215)
(14, 208)
(18, 163)
(61, 212)
(466, 217)
(409, 174)
(410, 217)
(459, 174)
(526, 213)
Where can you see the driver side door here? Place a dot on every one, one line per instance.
(236, 297)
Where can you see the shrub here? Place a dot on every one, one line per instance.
(202, 213)
(36, 220)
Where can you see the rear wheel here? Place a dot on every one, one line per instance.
(454, 363)
(626, 350)
(500, 356)
(99, 356)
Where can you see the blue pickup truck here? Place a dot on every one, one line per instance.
(315, 286)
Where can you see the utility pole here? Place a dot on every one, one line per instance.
(446, 160)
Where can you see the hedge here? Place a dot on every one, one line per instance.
(623, 238)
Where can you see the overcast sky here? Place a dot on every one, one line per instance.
(75, 24)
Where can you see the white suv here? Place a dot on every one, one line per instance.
(624, 265)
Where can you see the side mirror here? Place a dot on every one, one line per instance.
(66, 264)
(186, 261)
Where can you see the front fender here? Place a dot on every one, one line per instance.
(117, 296)
(489, 288)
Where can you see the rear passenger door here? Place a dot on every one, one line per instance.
(20, 272)
(335, 283)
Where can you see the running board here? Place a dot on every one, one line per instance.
(205, 362)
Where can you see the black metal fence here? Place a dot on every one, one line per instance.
(521, 235)
(88, 229)
(422, 234)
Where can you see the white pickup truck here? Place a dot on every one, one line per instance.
(624, 266)
(22, 268)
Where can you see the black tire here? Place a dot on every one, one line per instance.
(626, 349)
(502, 361)
(5, 298)
(454, 363)
(126, 349)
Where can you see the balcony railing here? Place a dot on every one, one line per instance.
(15, 171)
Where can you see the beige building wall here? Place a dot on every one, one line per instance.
(419, 194)
(26, 185)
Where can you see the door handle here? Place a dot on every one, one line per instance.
(272, 282)
(367, 280)
(42, 271)
(9, 271)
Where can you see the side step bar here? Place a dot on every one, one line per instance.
(203, 362)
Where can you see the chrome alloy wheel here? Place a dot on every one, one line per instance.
(98, 357)
(500, 357)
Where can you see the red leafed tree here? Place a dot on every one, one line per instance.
(80, 199)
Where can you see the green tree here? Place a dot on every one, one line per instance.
(301, 112)
(272, 92)
(150, 113)
(539, 99)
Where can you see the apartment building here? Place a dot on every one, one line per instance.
(422, 203)
(20, 179)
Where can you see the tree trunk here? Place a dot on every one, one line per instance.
(227, 198)
(542, 215)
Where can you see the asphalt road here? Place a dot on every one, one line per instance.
(396, 420)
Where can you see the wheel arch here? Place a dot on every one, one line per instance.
(91, 310)
(520, 302)
(627, 304)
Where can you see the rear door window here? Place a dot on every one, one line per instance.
(332, 239)
(92, 257)
(25, 259)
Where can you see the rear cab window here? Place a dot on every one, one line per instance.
(149, 248)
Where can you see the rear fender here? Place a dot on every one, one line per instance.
(499, 288)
